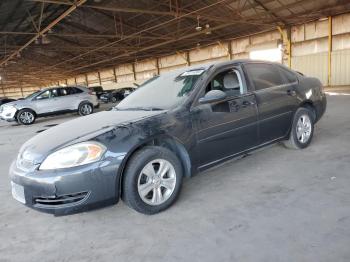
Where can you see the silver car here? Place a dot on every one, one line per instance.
(50, 101)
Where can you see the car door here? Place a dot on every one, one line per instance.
(46, 102)
(225, 128)
(275, 98)
(41, 103)
(67, 98)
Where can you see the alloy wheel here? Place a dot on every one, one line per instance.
(156, 182)
(86, 109)
(304, 129)
(26, 117)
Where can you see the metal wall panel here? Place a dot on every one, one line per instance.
(146, 65)
(125, 78)
(172, 60)
(71, 81)
(341, 42)
(244, 55)
(340, 67)
(316, 29)
(265, 37)
(208, 61)
(310, 47)
(312, 65)
(240, 45)
(109, 85)
(124, 69)
(92, 78)
(81, 80)
(208, 53)
(142, 76)
(341, 24)
(298, 33)
(170, 68)
(107, 74)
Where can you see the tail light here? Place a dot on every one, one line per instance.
(92, 93)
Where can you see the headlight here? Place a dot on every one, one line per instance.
(75, 155)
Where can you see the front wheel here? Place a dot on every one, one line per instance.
(85, 109)
(152, 180)
(26, 117)
(302, 129)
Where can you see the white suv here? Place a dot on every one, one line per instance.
(50, 101)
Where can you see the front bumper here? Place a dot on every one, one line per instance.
(321, 106)
(8, 114)
(70, 190)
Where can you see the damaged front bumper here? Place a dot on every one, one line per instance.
(66, 191)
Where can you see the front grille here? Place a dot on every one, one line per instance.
(61, 200)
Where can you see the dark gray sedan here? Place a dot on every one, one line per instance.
(173, 126)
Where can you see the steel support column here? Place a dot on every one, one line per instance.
(330, 47)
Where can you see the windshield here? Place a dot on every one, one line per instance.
(162, 92)
(33, 94)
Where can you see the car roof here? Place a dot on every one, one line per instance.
(206, 66)
(54, 87)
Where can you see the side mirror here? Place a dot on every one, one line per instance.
(213, 96)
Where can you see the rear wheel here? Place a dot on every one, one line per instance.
(26, 117)
(152, 180)
(114, 99)
(302, 129)
(85, 109)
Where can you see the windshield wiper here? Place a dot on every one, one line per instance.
(140, 109)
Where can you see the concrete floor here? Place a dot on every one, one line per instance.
(274, 205)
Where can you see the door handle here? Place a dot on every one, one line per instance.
(291, 92)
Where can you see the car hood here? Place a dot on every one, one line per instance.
(84, 128)
(17, 103)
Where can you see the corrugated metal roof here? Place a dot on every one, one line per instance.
(104, 32)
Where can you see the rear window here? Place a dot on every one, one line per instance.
(264, 75)
(69, 91)
(75, 90)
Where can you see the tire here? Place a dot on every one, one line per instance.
(148, 194)
(114, 99)
(302, 129)
(26, 117)
(85, 109)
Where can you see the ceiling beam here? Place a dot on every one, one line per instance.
(115, 9)
(138, 33)
(45, 30)
(271, 13)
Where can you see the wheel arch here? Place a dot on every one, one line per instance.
(165, 141)
(25, 108)
(310, 105)
(83, 102)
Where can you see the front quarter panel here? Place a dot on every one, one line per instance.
(310, 90)
(124, 140)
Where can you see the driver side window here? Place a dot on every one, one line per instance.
(44, 95)
(228, 81)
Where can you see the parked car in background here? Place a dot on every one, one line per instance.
(173, 126)
(99, 91)
(4, 100)
(117, 95)
(51, 101)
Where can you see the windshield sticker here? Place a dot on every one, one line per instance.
(193, 72)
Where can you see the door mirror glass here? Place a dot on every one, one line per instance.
(213, 96)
